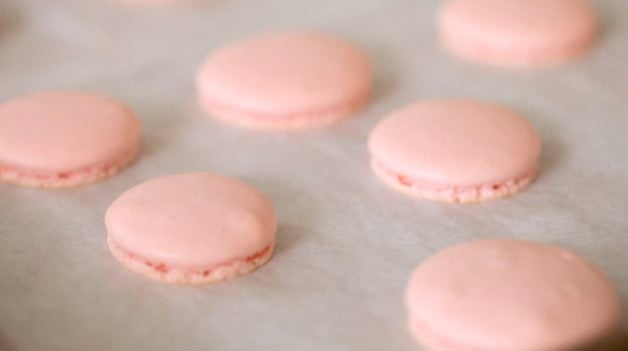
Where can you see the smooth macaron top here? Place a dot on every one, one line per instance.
(515, 30)
(456, 142)
(65, 131)
(276, 75)
(192, 221)
(511, 295)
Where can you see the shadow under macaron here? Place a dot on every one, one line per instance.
(294, 221)
(553, 150)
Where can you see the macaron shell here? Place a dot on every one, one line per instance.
(66, 179)
(165, 3)
(192, 221)
(514, 32)
(159, 2)
(453, 142)
(65, 131)
(452, 194)
(283, 122)
(510, 295)
(283, 74)
(168, 274)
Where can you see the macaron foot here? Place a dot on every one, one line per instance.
(452, 194)
(211, 275)
(318, 118)
(70, 179)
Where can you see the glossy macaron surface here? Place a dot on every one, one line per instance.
(503, 294)
(192, 221)
(456, 142)
(65, 132)
(518, 33)
(285, 76)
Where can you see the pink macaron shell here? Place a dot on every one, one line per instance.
(455, 143)
(294, 121)
(281, 77)
(164, 3)
(75, 135)
(510, 295)
(194, 222)
(192, 276)
(518, 33)
(452, 193)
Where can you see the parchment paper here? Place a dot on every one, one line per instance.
(346, 242)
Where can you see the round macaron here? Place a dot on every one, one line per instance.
(455, 150)
(285, 81)
(509, 295)
(162, 3)
(191, 228)
(516, 32)
(65, 139)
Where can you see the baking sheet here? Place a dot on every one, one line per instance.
(346, 242)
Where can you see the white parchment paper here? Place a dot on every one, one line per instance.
(346, 242)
